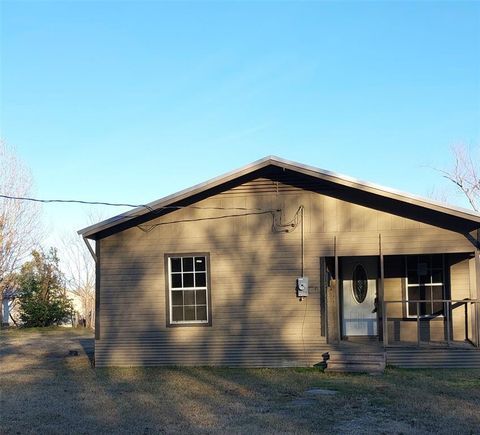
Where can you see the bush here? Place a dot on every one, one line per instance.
(43, 300)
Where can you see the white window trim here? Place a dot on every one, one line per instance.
(407, 286)
(170, 289)
(408, 302)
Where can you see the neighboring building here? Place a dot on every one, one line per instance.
(9, 308)
(210, 275)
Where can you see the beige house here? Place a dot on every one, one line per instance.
(283, 264)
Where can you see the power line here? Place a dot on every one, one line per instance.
(114, 204)
(277, 225)
(73, 201)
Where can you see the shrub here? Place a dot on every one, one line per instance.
(43, 300)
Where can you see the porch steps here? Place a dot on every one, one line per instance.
(433, 358)
(358, 362)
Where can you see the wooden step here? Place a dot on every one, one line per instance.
(366, 362)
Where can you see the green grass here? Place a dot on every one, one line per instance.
(45, 391)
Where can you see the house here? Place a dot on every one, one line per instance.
(283, 264)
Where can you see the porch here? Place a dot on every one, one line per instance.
(454, 324)
(416, 302)
(373, 357)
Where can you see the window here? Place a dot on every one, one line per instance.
(359, 283)
(425, 282)
(188, 293)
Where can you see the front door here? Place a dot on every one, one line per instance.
(359, 290)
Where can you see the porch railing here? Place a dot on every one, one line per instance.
(470, 322)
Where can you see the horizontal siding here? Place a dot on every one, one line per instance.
(231, 352)
(257, 319)
(245, 354)
(434, 358)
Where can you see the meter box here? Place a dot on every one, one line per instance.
(302, 287)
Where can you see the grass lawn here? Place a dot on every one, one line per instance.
(43, 391)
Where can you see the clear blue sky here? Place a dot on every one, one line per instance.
(131, 101)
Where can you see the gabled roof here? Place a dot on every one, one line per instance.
(466, 220)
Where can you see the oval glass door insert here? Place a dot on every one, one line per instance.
(359, 283)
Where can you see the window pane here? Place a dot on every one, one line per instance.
(188, 280)
(412, 309)
(437, 293)
(176, 264)
(437, 276)
(189, 297)
(437, 309)
(177, 298)
(359, 283)
(200, 263)
(201, 297)
(437, 261)
(413, 277)
(176, 280)
(426, 294)
(190, 313)
(200, 279)
(201, 312)
(177, 314)
(422, 269)
(412, 261)
(188, 264)
(426, 309)
(413, 295)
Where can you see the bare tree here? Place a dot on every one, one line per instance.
(79, 268)
(19, 220)
(465, 173)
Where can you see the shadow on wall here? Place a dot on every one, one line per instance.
(257, 319)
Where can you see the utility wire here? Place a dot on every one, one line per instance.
(287, 227)
(73, 201)
(277, 224)
(147, 228)
(113, 204)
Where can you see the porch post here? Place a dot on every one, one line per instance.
(337, 290)
(381, 295)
